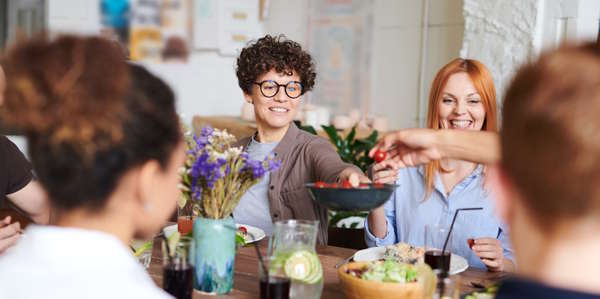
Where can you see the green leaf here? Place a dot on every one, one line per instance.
(308, 128)
(333, 220)
(361, 146)
(351, 135)
(332, 134)
(239, 240)
(373, 137)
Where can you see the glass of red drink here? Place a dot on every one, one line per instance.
(178, 268)
(273, 282)
(435, 236)
(185, 218)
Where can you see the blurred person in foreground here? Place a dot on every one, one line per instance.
(18, 186)
(546, 171)
(105, 141)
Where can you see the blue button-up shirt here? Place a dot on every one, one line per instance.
(407, 212)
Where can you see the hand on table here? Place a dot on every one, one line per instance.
(490, 251)
(9, 233)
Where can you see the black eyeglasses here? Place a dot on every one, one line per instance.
(270, 88)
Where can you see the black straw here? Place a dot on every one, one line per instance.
(452, 225)
(444, 272)
(260, 259)
(172, 264)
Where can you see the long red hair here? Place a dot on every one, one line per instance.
(484, 84)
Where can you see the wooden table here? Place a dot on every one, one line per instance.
(245, 281)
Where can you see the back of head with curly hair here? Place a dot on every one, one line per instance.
(89, 117)
(274, 53)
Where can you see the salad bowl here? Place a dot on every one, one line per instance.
(355, 287)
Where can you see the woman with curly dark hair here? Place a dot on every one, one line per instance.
(106, 145)
(274, 73)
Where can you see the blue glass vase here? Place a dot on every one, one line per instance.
(215, 254)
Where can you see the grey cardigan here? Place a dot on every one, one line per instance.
(304, 158)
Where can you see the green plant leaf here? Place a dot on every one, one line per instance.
(307, 128)
(373, 137)
(361, 145)
(351, 135)
(334, 219)
(239, 240)
(333, 135)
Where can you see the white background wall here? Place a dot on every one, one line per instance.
(207, 84)
(397, 49)
(505, 33)
(412, 39)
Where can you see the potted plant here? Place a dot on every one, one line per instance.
(215, 176)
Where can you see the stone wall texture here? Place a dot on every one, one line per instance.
(500, 33)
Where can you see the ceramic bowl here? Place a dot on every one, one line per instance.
(356, 288)
(364, 198)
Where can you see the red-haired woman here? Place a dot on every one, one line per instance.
(462, 97)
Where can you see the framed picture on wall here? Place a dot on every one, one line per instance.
(21, 17)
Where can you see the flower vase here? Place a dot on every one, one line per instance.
(215, 254)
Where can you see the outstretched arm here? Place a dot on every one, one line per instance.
(412, 147)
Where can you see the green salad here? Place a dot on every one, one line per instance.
(489, 293)
(390, 271)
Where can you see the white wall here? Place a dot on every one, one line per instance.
(505, 33)
(76, 16)
(501, 34)
(208, 86)
(397, 49)
(567, 20)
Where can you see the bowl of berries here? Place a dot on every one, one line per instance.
(346, 197)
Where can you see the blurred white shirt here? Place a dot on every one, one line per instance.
(56, 262)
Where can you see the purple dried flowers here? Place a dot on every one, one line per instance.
(217, 174)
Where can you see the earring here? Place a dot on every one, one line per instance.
(147, 207)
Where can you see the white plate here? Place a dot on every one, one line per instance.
(457, 263)
(258, 233)
(169, 230)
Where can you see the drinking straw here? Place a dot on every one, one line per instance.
(168, 249)
(260, 259)
(452, 224)
(262, 262)
(444, 272)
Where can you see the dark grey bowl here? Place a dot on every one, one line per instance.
(355, 199)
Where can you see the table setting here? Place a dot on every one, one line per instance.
(205, 253)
